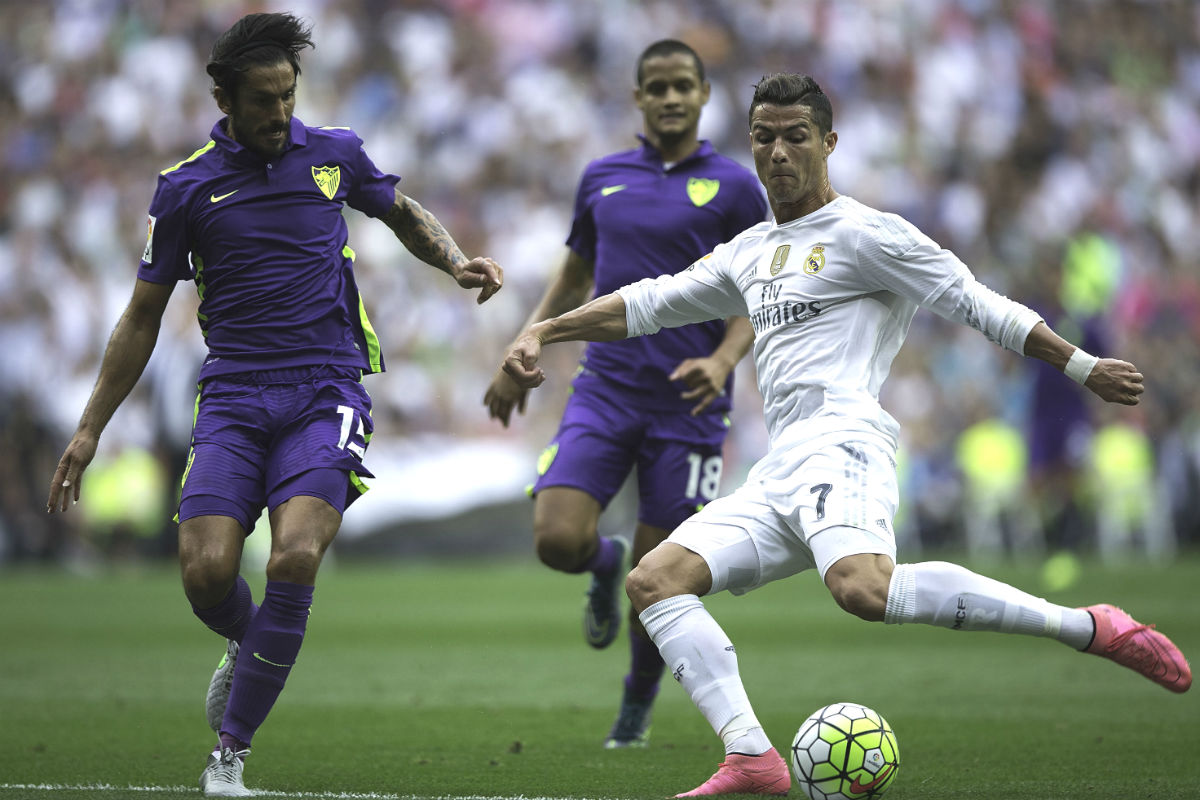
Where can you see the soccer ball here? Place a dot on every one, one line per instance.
(845, 751)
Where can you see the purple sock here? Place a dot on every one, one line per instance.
(231, 616)
(231, 743)
(268, 652)
(646, 666)
(603, 560)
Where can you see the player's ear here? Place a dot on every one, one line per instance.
(223, 101)
(705, 91)
(831, 139)
(637, 97)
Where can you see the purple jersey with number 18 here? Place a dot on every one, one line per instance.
(636, 217)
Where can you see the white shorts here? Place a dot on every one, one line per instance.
(838, 501)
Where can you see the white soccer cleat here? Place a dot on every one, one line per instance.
(223, 775)
(218, 688)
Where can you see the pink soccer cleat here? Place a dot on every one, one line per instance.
(739, 774)
(1139, 647)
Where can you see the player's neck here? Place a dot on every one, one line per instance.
(788, 212)
(673, 150)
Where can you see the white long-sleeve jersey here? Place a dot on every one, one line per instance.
(831, 296)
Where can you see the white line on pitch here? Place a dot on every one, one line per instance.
(109, 787)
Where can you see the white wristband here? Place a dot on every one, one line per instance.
(1079, 366)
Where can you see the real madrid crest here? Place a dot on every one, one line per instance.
(815, 261)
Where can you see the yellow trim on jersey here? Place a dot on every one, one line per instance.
(211, 144)
(374, 352)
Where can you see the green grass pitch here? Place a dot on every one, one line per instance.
(424, 680)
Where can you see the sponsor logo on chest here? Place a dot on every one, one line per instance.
(774, 308)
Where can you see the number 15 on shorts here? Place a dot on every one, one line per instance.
(349, 417)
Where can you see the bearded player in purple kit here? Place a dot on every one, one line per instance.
(282, 420)
(657, 404)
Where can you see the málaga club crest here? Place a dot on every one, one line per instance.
(328, 179)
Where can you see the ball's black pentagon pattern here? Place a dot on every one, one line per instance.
(844, 751)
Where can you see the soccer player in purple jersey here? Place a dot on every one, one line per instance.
(831, 286)
(657, 404)
(254, 217)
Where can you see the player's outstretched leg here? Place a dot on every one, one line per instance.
(218, 688)
(602, 609)
(738, 774)
(1141, 648)
(950, 596)
(222, 777)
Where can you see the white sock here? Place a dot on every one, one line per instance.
(944, 594)
(700, 656)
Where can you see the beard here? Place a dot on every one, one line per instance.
(255, 140)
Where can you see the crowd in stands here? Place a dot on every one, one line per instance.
(1054, 146)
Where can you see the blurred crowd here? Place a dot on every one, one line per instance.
(1054, 146)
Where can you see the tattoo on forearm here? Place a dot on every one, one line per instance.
(423, 236)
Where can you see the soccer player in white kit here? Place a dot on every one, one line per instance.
(830, 286)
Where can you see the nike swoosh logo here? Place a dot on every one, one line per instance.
(286, 666)
(595, 632)
(607, 190)
(858, 788)
(216, 198)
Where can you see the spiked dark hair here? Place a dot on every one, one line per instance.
(667, 47)
(256, 39)
(791, 89)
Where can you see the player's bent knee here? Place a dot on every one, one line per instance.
(206, 582)
(297, 563)
(563, 547)
(863, 594)
(859, 601)
(666, 571)
(643, 587)
(558, 551)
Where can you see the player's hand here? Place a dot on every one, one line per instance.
(64, 487)
(481, 273)
(1116, 381)
(521, 362)
(705, 379)
(502, 395)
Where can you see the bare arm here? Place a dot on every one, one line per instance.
(1110, 379)
(705, 377)
(129, 348)
(601, 320)
(424, 237)
(570, 289)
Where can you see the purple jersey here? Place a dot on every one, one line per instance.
(266, 244)
(636, 218)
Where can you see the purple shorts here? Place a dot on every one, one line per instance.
(260, 438)
(604, 435)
